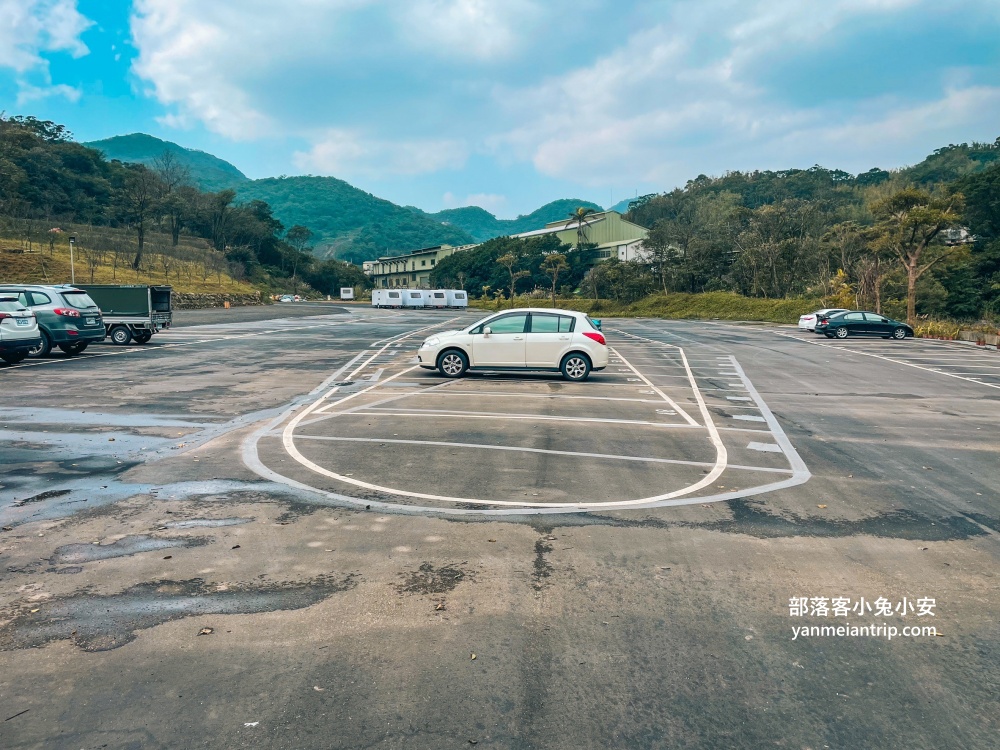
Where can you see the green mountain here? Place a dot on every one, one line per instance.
(207, 172)
(348, 223)
(482, 225)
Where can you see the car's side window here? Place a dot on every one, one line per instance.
(566, 324)
(875, 318)
(854, 316)
(541, 323)
(22, 297)
(509, 323)
(38, 298)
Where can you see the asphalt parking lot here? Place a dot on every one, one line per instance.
(269, 528)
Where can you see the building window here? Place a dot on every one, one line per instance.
(414, 277)
(432, 261)
(423, 263)
(604, 254)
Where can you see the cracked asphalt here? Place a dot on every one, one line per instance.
(158, 589)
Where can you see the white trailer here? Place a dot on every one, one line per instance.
(413, 298)
(347, 292)
(436, 298)
(387, 298)
(457, 298)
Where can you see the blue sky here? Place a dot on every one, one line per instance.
(507, 105)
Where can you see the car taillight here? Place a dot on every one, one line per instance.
(66, 312)
(594, 336)
(4, 316)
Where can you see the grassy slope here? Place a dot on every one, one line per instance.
(41, 267)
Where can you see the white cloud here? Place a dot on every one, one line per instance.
(31, 27)
(478, 29)
(347, 153)
(681, 98)
(28, 93)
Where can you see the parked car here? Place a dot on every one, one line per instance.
(807, 322)
(18, 330)
(286, 298)
(857, 323)
(67, 317)
(523, 339)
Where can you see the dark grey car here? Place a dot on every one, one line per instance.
(67, 316)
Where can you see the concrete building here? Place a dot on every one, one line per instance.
(608, 230)
(413, 269)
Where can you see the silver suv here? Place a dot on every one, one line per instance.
(18, 330)
(67, 317)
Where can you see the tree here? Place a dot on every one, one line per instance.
(138, 194)
(908, 227)
(508, 261)
(552, 265)
(580, 217)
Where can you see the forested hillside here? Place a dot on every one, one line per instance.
(153, 216)
(873, 240)
(206, 172)
(483, 225)
(348, 223)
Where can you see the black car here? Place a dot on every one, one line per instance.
(854, 323)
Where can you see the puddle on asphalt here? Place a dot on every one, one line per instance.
(102, 623)
(129, 545)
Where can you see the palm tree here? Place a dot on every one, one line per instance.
(579, 216)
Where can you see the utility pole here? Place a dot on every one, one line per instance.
(72, 266)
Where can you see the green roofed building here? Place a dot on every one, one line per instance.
(613, 235)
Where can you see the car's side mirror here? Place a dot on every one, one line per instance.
(487, 331)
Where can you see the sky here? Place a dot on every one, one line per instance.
(509, 104)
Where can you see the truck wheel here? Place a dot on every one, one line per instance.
(43, 349)
(76, 348)
(121, 335)
(143, 337)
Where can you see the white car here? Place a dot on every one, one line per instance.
(524, 339)
(807, 322)
(18, 330)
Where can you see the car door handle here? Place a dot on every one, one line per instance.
(519, 338)
(564, 338)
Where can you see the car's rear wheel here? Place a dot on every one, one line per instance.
(76, 348)
(14, 357)
(121, 335)
(575, 367)
(43, 349)
(453, 363)
(841, 333)
(899, 334)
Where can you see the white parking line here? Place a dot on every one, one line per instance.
(519, 449)
(660, 393)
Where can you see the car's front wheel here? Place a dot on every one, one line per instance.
(453, 363)
(841, 333)
(575, 367)
(899, 334)
(14, 357)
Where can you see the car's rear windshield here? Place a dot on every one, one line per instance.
(10, 304)
(79, 300)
